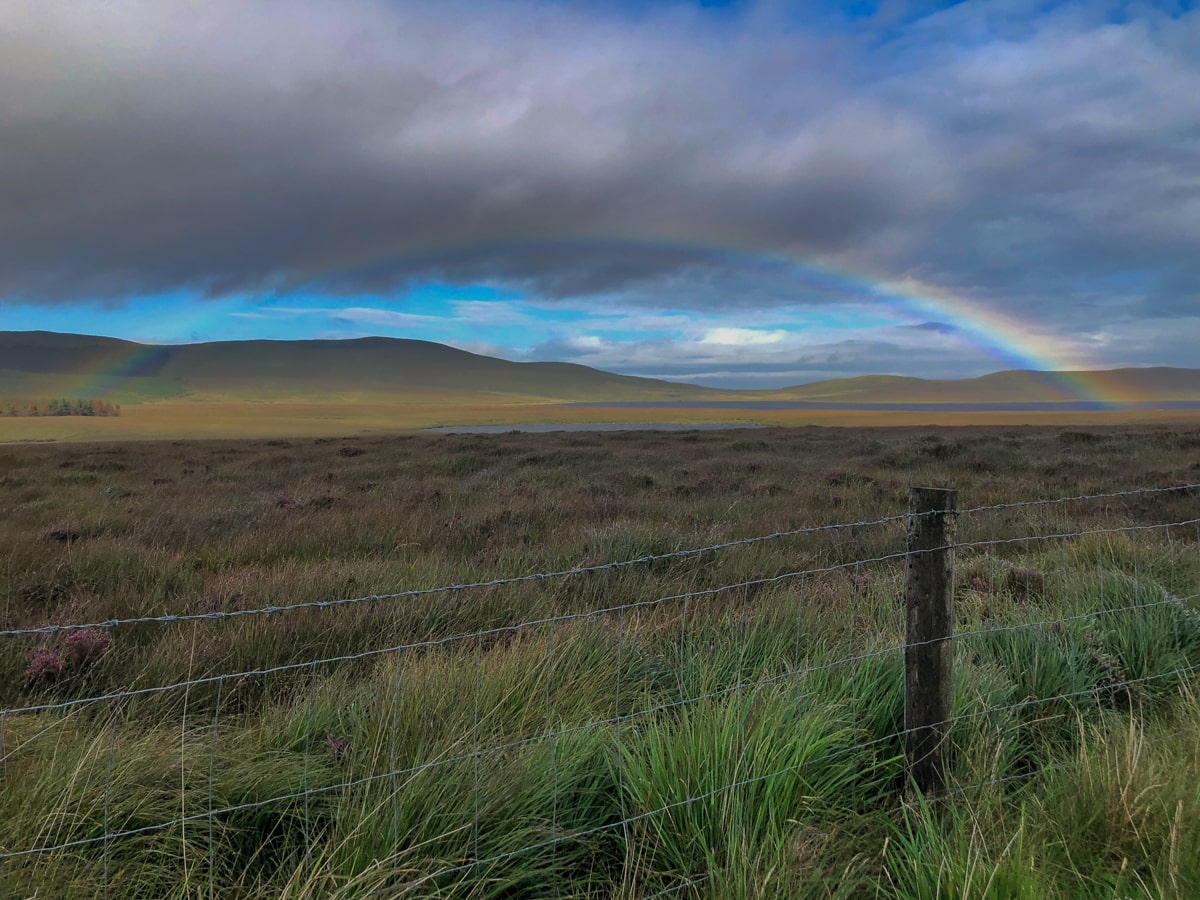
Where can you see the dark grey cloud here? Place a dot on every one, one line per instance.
(1039, 162)
(1080, 131)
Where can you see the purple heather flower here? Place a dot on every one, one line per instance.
(87, 646)
(44, 665)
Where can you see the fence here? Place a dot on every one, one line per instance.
(506, 715)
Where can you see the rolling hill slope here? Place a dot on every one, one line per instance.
(1014, 386)
(44, 364)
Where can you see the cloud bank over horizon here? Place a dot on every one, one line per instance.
(708, 193)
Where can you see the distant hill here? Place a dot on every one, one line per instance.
(38, 363)
(1014, 386)
(45, 364)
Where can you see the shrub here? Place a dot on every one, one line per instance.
(43, 665)
(83, 648)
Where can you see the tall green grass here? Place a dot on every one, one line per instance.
(728, 743)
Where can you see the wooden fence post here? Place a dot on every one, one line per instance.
(928, 652)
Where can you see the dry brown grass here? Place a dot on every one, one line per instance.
(237, 419)
(94, 531)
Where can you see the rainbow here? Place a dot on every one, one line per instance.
(106, 370)
(1013, 343)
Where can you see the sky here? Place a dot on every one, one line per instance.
(743, 194)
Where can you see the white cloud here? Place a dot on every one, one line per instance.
(373, 316)
(359, 315)
(493, 312)
(742, 337)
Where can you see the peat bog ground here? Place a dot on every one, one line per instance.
(515, 740)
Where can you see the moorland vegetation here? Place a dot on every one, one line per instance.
(734, 742)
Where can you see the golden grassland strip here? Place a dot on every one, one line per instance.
(236, 419)
(239, 419)
(855, 418)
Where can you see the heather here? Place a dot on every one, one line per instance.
(730, 743)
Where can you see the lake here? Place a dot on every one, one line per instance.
(765, 405)
(590, 426)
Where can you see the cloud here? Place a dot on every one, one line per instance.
(939, 327)
(671, 160)
(366, 315)
(767, 358)
(742, 337)
(589, 342)
(493, 312)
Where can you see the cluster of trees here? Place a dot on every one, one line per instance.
(59, 407)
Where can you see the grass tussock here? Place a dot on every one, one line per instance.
(564, 737)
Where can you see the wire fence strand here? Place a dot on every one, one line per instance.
(219, 615)
(472, 748)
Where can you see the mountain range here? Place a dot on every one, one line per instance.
(36, 364)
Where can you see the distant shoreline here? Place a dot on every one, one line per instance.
(536, 428)
(235, 419)
(917, 406)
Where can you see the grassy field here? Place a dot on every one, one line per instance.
(737, 743)
(209, 420)
(372, 386)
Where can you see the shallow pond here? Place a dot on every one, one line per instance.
(591, 426)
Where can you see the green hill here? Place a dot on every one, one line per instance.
(1014, 386)
(36, 364)
(43, 364)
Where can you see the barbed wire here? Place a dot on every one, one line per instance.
(1108, 495)
(119, 697)
(1097, 690)
(587, 614)
(758, 683)
(358, 782)
(216, 615)
(957, 789)
(1032, 538)
(688, 801)
(451, 588)
(442, 641)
